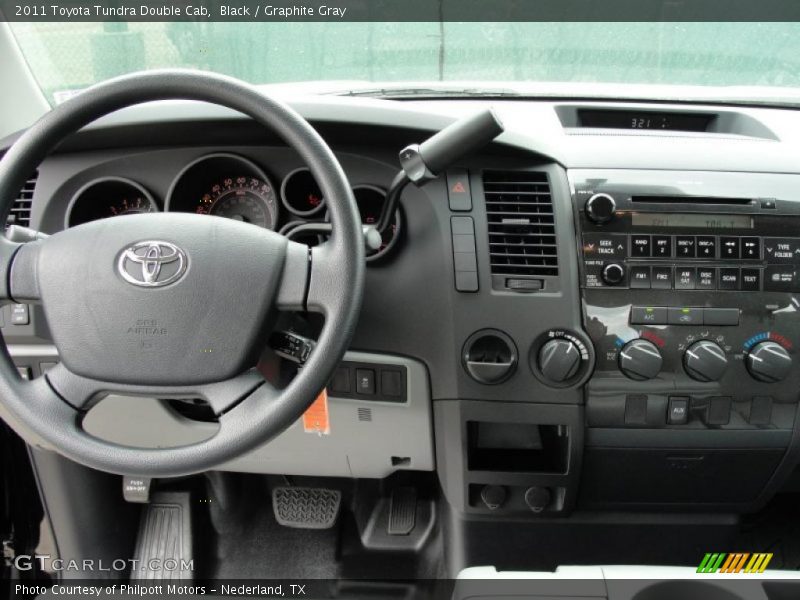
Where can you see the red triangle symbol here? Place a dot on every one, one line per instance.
(458, 188)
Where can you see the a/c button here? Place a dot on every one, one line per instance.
(648, 315)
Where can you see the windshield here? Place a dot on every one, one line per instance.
(65, 57)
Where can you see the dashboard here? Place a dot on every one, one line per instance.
(598, 311)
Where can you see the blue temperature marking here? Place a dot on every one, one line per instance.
(759, 337)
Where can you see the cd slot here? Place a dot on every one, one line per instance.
(692, 200)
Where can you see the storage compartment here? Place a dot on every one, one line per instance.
(517, 447)
(658, 476)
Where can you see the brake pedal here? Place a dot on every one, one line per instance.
(306, 508)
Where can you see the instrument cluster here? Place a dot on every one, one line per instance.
(231, 186)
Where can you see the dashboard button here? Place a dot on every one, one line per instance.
(20, 314)
(780, 279)
(760, 410)
(729, 279)
(685, 316)
(341, 381)
(721, 316)
(391, 383)
(640, 246)
(648, 315)
(781, 250)
(640, 278)
(662, 246)
(751, 280)
(706, 246)
(719, 411)
(458, 192)
(661, 278)
(466, 281)
(751, 248)
(685, 246)
(685, 278)
(729, 247)
(365, 381)
(678, 410)
(706, 278)
(602, 245)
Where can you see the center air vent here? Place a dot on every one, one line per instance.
(522, 235)
(21, 210)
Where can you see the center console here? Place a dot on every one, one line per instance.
(690, 287)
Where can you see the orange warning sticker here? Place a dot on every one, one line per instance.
(316, 418)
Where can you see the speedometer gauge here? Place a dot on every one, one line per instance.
(226, 185)
(247, 199)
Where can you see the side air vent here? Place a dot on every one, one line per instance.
(522, 235)
(21, 210)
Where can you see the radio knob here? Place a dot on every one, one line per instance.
(705, 361)
(640, 360)
(613, 274)
(769, 362)
(600, 208)
(559, 360)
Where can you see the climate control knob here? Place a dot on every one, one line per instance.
(705, 361)
(613, 274)
(559, 360)
(600, 208)
(769, 362)
(640, 360)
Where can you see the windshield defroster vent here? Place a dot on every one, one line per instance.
(522, 235)
(21, 209)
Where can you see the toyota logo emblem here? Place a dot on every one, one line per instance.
(152, 264)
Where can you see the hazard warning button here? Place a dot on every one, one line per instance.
(458, 192)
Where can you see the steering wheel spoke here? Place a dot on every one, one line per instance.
(81, 393)
(19, 271)
(293, 287)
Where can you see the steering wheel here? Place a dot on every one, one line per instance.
(174, 305)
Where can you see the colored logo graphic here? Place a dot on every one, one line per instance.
(737, 562)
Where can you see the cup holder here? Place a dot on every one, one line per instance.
(489, 356)
(686, 590)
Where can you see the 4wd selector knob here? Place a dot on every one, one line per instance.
(600, 208)
(705, 361)
(640, 360)
(769, 362)
(559, 360)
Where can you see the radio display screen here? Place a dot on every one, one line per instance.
(691, 220)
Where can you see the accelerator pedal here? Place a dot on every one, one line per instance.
(306, 508)
(164, 544)
(402, 511)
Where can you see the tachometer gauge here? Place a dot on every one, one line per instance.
(247, 199)
(108, 197)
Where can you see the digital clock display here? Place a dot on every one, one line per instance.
(691, 220)
(648, 120)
